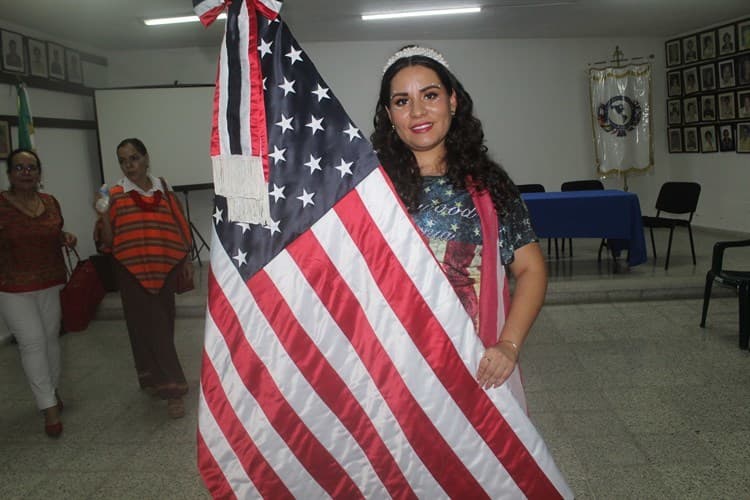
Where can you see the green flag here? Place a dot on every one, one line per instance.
(25, 123)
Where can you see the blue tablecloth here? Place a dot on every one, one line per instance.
(611, 214)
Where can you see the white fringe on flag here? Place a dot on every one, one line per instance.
(240, 180)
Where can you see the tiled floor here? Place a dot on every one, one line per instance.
(634, 399)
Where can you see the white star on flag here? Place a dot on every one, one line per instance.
(306, 198)
(218, 215)
(240, 257)
(344, 167)
(352, 132)
(321, 92)
(277, 155)
(288, 87)
(285, 123)
(314, 164)
(273, 226)
(277, 193)
(315, 124)
(245, 227)
(265, 48)
(294, 55)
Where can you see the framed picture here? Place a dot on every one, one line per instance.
(673, 53)
(743, 137)
(708, 44)
(742, 72)
(12, 50)
(726, 40)
(690, 110)
(708, 77)
(690, 49)
(674, 115)
(5, 145)
(690, 80)
(726, 138)
(37, 58)
(73, 66)
(708, 139)
(675, 140)
(708, 108)
(674, 85)
(726, 106)
(726, 74)
(743, 104)
(743, 35)
(691, 140)
(56, 60)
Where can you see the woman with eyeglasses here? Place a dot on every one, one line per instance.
(32, 272)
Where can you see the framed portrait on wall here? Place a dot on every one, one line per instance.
(742, 72)
(726, 106)
(708, 77)
(5, 145)
(56, 61)
(708, 139)
(674, 83)
(690, 80)
(743, 104)
(690, 141)
(726, 138)
(726, 74)
(73, 66)
(708, 108)
(37, 58)
(674, 113)
(12, 51)
(743, 35)
(675, 140)
(726, 41)
(707, 45)
(690, 49)
(743, 137)
(690, 110)
(673, 53)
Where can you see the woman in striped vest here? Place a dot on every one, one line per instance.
(149, 237)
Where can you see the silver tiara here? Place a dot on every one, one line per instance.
(416, 51)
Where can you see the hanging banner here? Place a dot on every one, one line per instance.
(621, 118)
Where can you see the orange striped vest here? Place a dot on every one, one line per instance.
(148, 243)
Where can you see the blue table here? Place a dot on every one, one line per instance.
(611, 214)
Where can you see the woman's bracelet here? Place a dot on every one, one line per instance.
(513, 345)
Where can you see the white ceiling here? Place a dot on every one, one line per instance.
(117, 24)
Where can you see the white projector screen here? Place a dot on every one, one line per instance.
(173, 122)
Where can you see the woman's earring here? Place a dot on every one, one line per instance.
(393, 127)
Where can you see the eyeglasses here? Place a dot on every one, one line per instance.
(27, 168)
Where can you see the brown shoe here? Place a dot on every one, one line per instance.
(175, 408)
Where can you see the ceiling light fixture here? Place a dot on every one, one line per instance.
(176, 20)
(420, 13)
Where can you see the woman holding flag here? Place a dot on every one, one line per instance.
(432, 147)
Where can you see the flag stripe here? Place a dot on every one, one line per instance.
(329, 339)
(260, 472)
(257, 426)
(211, 472)
(442, 356)
(332, 390)
(283, 417)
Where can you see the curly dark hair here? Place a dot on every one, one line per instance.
(466, 154)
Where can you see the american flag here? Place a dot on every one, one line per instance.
(338, 361)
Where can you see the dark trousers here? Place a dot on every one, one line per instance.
(150, 320)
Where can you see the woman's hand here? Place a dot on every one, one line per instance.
(496, 365)
(69, 239)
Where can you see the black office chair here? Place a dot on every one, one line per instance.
(679, 198)
(739, 280)
(584, 185)
(538, 188)
(530, 188)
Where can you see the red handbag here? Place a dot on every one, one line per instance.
(81, 295)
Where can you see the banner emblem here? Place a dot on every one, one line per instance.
(619, 115)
